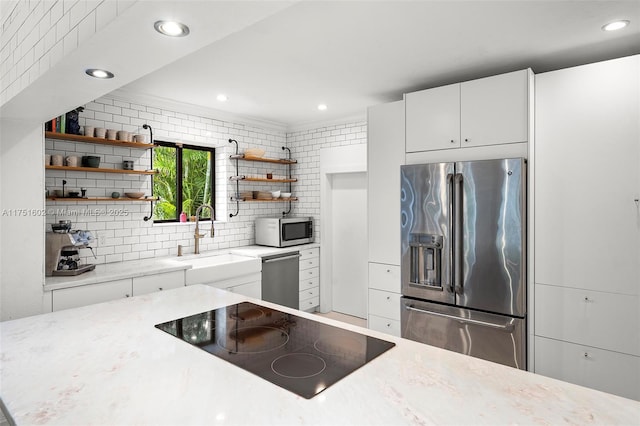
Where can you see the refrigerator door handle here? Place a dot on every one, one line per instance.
(451, 219)
(505, 327)
(457, 232)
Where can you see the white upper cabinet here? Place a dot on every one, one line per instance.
(487, 111)
(385, 155)
(433, 119)
(495, 110)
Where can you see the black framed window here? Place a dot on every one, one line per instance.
(185, 180)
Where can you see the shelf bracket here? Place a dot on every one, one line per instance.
(146, 126)
(284, 214)
(237, 182)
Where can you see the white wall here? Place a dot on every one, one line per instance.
(306, 146)
(22, 219)
(36, 35)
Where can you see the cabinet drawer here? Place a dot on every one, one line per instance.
(384, 325)
(308, 304)
(310, 252)
(599, 369)
(311, 262)
(384, 277)
(602, 320)
(158, 282)
(308, 283)
(89, 294)
(309, 293)
(384, 304)
(309, 273)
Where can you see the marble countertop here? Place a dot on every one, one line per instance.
(117, 271)
(138, 268)
(106, 364)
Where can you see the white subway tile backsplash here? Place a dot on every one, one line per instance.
(140, 239)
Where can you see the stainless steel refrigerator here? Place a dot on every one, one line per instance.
(464, 269)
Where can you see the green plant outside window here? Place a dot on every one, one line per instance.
(185, 178)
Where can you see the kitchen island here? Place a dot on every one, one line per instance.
(107, 364)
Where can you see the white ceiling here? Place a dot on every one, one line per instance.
(353, 54)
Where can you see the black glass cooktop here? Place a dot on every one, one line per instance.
(298, 354)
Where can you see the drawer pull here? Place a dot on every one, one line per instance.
(388, 325)
(586, 299)
(586, 355)
(388, 270)
(126, 295)
(160, 288)
(388, 297)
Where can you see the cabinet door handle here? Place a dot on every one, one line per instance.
(452, 141)
(126, 295)
(466, 140)
(160, 288)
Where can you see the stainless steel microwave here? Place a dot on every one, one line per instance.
(284, 232)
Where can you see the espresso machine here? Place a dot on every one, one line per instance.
(62, 255)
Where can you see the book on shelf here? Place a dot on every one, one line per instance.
(63, 125)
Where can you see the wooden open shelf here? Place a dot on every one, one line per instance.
(100, 141)
(101, 199)
(262, 159)
(268, 200)
(254, 179)
(99, 170)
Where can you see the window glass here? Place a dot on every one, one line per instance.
(197, 169)
(184, 182)
(165, 185)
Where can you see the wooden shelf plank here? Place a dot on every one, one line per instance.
(99, 170)
(254, 179)
(263, 159)
(101, 199)
(100, 141)
(271, 200)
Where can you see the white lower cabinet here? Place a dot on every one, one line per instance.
(593, 318)
(248, 285)
(384, 298)
(595, 368)
(384, 325)
(250, 289)
(74, 297)
(309, 284)
(158, 282)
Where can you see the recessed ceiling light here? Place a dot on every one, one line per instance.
(171, 28)
(615, 25)
(98, 73)
(222, 97)
(322, 107)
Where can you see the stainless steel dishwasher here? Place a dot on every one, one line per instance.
(280, 279)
